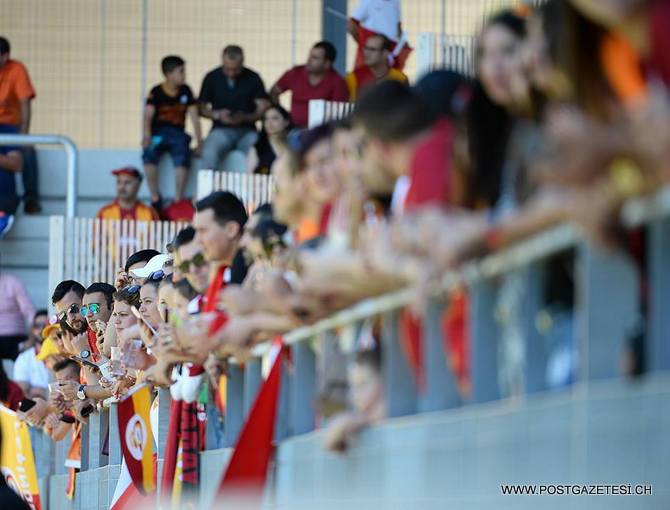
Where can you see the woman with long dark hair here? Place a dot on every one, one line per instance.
(272, 139)
(498, 93)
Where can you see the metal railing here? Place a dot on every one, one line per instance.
(607, 298)
(71, 153)
(321, 111)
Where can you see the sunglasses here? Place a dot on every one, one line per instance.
(73, 309)
(93, 308)
(198, 260)
(156, 276)
(133, 289)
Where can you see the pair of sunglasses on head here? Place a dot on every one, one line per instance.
(154, 277)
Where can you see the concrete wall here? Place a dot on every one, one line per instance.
(613, 433)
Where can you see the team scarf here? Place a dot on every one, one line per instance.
(73, 460)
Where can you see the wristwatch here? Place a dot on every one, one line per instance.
(84, 354)
(81, 394)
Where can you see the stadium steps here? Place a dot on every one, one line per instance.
(25, 251)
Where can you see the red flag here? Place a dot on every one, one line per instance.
(171, 450)
(248, 466)
(411, 332)
(136, 438)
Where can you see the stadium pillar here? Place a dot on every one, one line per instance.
(334, 29)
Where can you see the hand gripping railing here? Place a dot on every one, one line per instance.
(71, 153)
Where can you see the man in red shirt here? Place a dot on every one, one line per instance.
(126, 206)
(315, 80)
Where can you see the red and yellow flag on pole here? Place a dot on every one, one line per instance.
(245, 476)
(16, 460)
(136, 438)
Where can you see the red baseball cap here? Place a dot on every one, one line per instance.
(128, 170)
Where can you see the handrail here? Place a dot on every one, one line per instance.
(562, 237)
(71, 153)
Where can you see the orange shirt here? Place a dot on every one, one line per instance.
(362, 77)
(623, 69)
(140, 212)
(15, 86)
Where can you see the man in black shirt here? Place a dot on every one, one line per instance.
(164, 123)
(234, 97)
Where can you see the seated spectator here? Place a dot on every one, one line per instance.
(30, 373)
(126, 205)
(315, 80)
(272, 139)
(126, 275)
(375, 67)
(11, 162)
(16, 311)
(16, 94)
(234, 98)
(164, 123)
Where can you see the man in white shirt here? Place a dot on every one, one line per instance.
(379, 16)
(30, 373)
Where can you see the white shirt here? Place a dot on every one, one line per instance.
(381, 16)
(28, 369)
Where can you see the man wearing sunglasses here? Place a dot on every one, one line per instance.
(66, 299)
(189, 261)
(97, 309)
(97, 304)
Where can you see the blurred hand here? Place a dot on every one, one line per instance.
(238, 300)
(146, 140)
(192, 337)
(79, 406)
(69, 390)
(197, 152)
(57, 401)
(80, 343)
(122, 279)
(52, 421)
(36, 415)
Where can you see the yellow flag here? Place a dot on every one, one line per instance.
(16, 460)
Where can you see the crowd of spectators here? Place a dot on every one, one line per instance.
(567, 117)
(232, 96)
